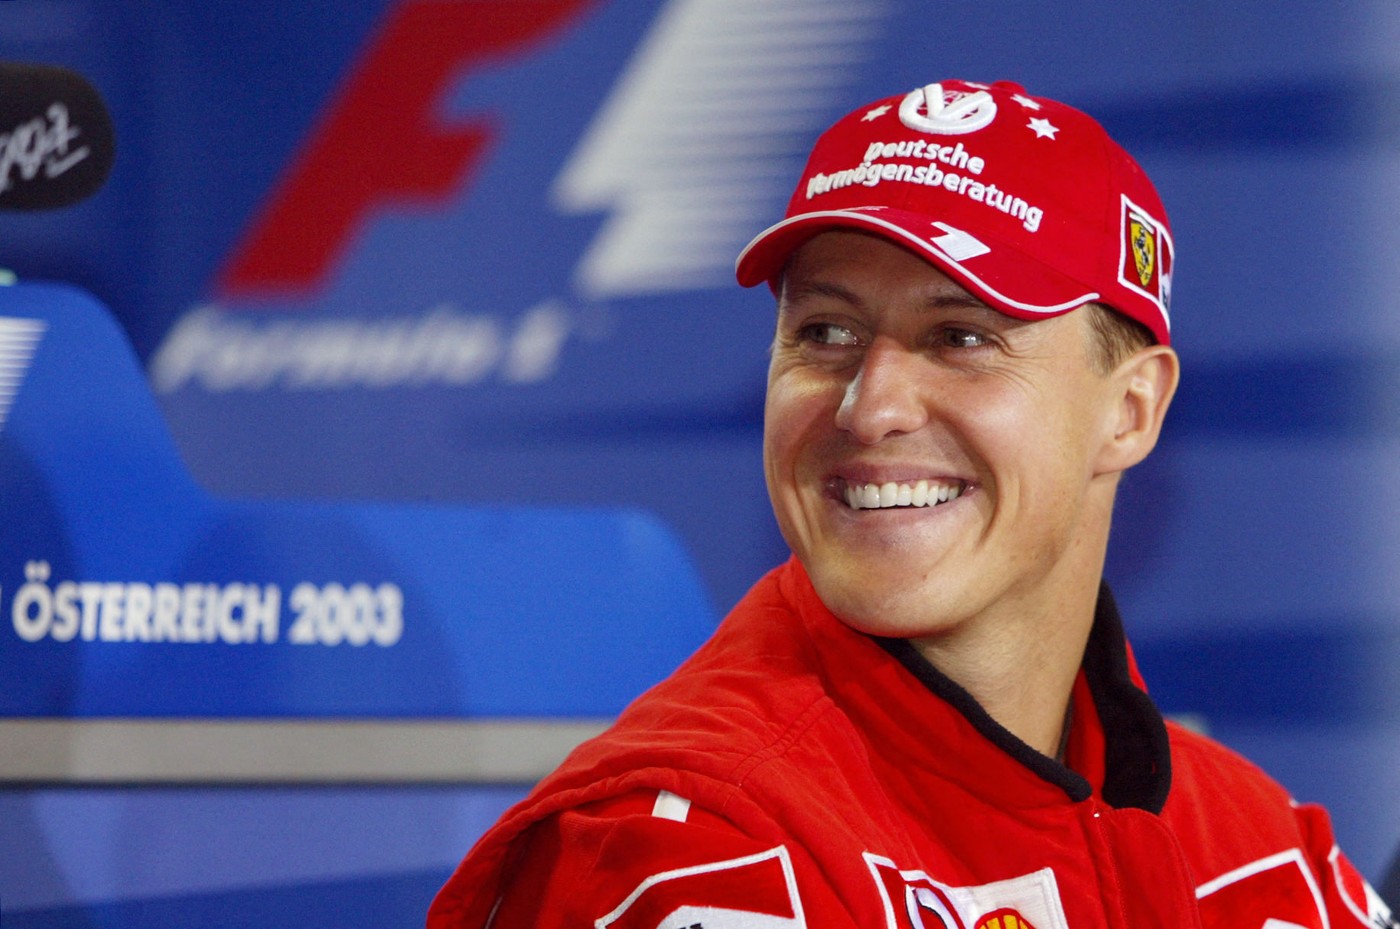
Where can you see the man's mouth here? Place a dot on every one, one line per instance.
(884, 496)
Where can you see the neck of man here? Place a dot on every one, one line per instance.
(1021, 663)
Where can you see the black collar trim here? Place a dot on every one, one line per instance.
(1139, 759)
(1138, 762)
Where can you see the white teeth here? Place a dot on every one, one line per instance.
(870, 497)
(888, 495)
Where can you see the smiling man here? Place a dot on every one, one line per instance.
(889, 381)
(929, 717)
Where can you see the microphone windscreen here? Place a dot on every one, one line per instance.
(56, 138)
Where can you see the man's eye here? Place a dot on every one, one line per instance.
(826, 334)
(962, 338)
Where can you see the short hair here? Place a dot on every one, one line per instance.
(1116, 337)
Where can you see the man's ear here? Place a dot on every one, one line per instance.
(1142, 389)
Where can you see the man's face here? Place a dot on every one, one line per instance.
(930, 460)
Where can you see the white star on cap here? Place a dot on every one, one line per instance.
(875, 113)
(1025, 101)
(1043, 129)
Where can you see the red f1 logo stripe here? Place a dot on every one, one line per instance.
(378, 143)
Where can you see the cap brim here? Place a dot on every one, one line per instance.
(1005, 278)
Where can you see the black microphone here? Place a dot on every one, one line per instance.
(56, 138)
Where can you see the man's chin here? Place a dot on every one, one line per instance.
(879, 608)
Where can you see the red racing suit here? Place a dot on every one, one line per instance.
(796, 773)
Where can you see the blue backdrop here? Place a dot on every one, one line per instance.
(480, 254)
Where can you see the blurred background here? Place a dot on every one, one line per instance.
(459, 275)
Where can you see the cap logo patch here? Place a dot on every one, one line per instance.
(1144, 242)
(1145, 264)
(950, 112)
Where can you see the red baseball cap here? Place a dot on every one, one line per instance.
(1024, 201)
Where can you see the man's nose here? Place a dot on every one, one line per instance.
(885, 396)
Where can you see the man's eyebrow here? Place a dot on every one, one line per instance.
(963, 300)
(818, 288)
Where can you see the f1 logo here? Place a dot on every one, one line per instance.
(379, 144)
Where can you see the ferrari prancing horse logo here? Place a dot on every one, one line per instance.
(1146, 263)
(1144, 244)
